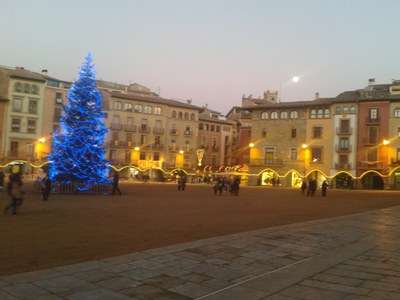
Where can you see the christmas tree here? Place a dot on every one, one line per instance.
(78, 143)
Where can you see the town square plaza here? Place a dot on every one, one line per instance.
(155, 242)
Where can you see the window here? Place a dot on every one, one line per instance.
(372, 135)
(138, 108)
(373, 114)
(264, 115)
(204, 141)
(173, 114)
(338, 110)
(317, 132)
(156, 156)
(148, 109)
(269, 155)
(31, 126)
(217, 128)
(345, 110)
(34, 90)
(128, 107)
(207, 127)
(57, 114)
(142, 155)
(352, 109)
(129, 121)
(398, 154)
(327, 113)
(345, 126)
(313, 114)
(157, 110)
(52, 83)
(293, 153)
(32, 107)
(294, 132)
(316, 154)
(274, 115)
(15, 125)
(18, 87)
(372, 154)
(180, 115)
(192, 117)
(17, 105)
(186, 116)
(157, 140)
(397, 112)
(344, 144)
(117, 105)
(212, 128)
(116, 119)
(201, 126)
(214, 142)
(27, 88)
(264, 133)
(143, 139)
(294, 115)
(30, 149)
(284, 115)
(59, 99)
(14, 148)
(320, 113)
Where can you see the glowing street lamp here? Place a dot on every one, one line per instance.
(251, 145)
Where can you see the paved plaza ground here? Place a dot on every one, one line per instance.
(71, 229)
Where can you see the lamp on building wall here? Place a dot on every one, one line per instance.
(40, 147)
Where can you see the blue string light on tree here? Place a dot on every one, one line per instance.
(78, 146)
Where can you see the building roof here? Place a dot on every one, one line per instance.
(156, 99)
(22, 73)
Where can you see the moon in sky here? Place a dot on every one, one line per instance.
(295, 79)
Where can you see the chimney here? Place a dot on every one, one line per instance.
(44, 71)
(371, 82)
(316, 95)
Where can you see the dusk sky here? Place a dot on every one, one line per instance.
(210, 51)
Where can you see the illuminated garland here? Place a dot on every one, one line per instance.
(78, 146)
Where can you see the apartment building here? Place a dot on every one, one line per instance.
(23, 120)
(148, 131)
(216, 140)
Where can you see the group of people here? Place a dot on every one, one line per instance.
(311, 187)
(226, 184)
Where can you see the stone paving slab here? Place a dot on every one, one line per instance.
(348, 257)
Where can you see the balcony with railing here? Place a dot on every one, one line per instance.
(130, 128)
(173, 131)
(344, 130)
(173, 148)
(395, 162)
(370, 165)
(343, 166)
(214, 148)
(116, 126)
(188, 133)
(368, 141)
(116, 144)
(370, 121)
(144, 129)
(157, 130)
(267, 162)
(343, 148)
(157, 146)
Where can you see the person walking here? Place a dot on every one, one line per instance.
(115, 184)
(1, 181)
(324, 188)
(46, 187)
(181, 183)
(303, 187)
(14, 189)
